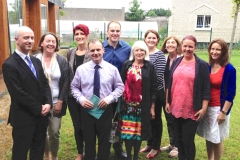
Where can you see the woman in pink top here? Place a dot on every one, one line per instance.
(187, 95)
(214, 126)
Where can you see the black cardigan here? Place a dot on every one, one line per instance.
(201, 82)
(149, 90)
(63, 82)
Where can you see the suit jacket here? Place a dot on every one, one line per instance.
(27, 92)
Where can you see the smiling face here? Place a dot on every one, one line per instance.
(215, 51)
(139, 54)
(96, 51)
(171, 45)
(114, 32)
(49, 44)
(80, 37)
(25, 40)
(151, 40)
(188, 48)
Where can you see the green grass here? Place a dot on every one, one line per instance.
(68, 149)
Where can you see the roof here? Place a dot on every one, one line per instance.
(57, 2)
(206, 5)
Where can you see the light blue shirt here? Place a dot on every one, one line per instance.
(111, 85)
(23, 56)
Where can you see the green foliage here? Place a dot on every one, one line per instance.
(237, 46)
(73, 44)
(160, 12)
(135, 14)
(151, 13)
(163, 32)
(15, 13)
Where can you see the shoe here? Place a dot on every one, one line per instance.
(121, 154)
(146, 149)
(166, 148)
(173, 153)
(149, 156)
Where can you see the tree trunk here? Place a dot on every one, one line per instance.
(234, 28)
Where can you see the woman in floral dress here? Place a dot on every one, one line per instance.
(138, 101)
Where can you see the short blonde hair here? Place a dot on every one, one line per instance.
(142, 45)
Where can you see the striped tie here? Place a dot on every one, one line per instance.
(96, 85)
(31, 66)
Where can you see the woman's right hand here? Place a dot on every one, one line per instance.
(167, 108)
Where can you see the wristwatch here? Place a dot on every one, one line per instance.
(223, 112)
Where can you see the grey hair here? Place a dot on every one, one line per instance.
(142, 45)
(20, 29)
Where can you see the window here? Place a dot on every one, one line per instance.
(15, 20)
(44, 18)
(203, 21)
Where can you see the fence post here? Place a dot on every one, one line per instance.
(104, 33)
(211, 35)
(138, 30)
(141, 36)
(101, 34)
(73, 27)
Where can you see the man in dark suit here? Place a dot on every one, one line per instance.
(30, 98)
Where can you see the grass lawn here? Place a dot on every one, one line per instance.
(68, 149)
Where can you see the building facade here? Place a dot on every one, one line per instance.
(204, 19)
(40, 15)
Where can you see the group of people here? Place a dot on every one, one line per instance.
(111, 78)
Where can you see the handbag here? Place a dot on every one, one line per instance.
(114, 132)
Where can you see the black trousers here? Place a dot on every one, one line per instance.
(75, 112)
(170, 126)
(93, 127)
(30, 138)
(157, 126)
(185, 130)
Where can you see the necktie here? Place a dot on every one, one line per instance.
(96, 83)
(31, 66)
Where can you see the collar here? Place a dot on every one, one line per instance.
(105, 43)
(22, 55)
(101, 64)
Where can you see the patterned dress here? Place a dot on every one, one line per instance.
(130, 121)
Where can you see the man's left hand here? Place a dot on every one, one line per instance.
(103, 103)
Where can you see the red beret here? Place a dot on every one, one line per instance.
(81, 27)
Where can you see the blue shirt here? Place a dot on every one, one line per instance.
(118, 55)
(82, 83)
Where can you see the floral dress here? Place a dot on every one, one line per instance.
(130, 121)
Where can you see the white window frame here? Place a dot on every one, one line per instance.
(203, 23)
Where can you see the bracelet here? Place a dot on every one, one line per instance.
(223, 112)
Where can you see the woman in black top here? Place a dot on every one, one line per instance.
(76, 57)
(172, 48)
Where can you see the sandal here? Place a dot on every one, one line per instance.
(166, 148)
(149, 156)
(146, 149)
(173, 153)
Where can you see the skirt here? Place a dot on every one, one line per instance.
(130, 122)
(209, 129)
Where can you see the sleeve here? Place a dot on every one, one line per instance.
(76, 86)
(15, 88)
(64, 80)
(160, 63)
(118, 85)
(205, 82)
(231, 85)
(153, 83)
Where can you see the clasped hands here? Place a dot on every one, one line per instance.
(89, 105)
(45, 109)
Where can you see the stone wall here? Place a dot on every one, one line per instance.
(93, 14)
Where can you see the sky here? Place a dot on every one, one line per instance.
(117, 4)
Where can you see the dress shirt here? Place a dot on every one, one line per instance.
(23, 56)
(82, 84)
(116, 56)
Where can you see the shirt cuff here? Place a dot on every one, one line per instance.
(81, 99)
(110, 99)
